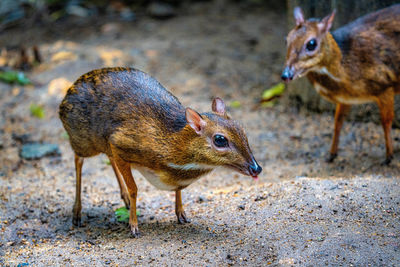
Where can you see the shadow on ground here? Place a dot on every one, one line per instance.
(303, 211)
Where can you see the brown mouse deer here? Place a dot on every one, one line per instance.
(129, 116)
(357, 63)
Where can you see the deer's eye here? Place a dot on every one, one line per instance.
(220, 141)
(311, 45)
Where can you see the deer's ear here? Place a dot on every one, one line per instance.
(195, 121)
(326, 23)
(218, 106)
(298, 16)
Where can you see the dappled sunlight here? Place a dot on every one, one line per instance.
(63, 56)
(111, 57)
(300, 211)
(58, 86)
(62, 44)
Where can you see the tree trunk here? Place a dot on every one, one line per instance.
(301, 92)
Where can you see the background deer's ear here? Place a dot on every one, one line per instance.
(326, 23)
(195, 121)
(218, 106)
(298, 16)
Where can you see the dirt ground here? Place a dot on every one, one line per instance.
(302, 211)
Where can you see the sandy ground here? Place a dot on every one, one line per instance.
(302, 211)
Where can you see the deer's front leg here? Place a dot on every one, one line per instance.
(180, 213)
(125, 169)
(340, 114)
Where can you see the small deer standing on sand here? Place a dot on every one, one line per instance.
(129, 116)
(356, 64)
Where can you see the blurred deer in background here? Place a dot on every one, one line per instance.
(356, 64)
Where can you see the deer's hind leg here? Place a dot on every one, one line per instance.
(386, 107)
(76, 211)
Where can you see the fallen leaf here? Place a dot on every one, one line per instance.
(273, 92)
(37, 111)
(268, 104)
(14, 77)
(122, 214)
(235, 104)
(65, 136)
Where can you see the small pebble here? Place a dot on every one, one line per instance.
(36, 151)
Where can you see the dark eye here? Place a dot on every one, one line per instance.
(311, 45)
(220, 141)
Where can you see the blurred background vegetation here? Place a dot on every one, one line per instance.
(16, 12)
(45, 20)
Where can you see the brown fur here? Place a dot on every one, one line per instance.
(127, 115)
(357, 63)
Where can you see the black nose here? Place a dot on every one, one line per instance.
(287, 74)
(255, 169)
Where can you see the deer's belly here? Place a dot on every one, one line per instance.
(163, 181)
(341, 98)
(156, 179)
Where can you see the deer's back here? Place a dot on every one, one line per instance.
(370, 47)
(109, 100)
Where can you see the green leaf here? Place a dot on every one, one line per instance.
(235, 104)
(8, 76)
(57, 14)
(65, 136)
(37, 111)
(22, 79)
(268, 104)
(274, 91)
(107, 161)
(122, 214)
(14, 77)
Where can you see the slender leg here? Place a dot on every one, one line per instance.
(76, 211)
(121, 183)
(340, 114)
(180, 213)
(125, 169)
(386, 106)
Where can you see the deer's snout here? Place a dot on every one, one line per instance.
(287, 74)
